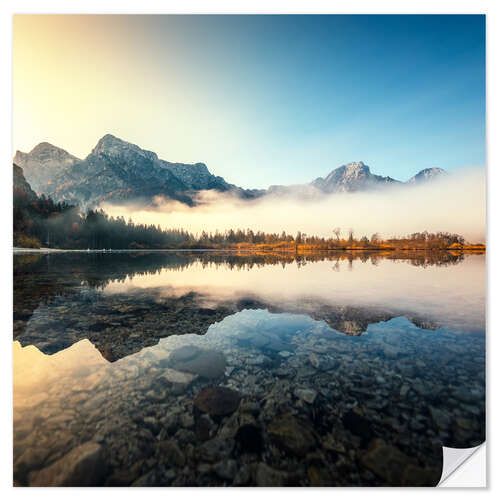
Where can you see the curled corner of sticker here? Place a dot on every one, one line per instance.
(454, 458)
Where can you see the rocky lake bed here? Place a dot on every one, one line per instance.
(238, 394)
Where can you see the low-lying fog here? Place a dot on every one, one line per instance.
(456, 203)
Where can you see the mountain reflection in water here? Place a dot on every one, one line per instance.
(345, 369)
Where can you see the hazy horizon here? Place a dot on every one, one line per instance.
(454, 204)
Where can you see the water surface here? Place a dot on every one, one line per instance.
(341, 369)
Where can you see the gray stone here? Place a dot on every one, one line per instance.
(230, 427)
(307, 395)
(314, 359)
(184, 353)
(205, 363)
(404, 390)
(178, 377)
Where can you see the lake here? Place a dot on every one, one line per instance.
(210, 368)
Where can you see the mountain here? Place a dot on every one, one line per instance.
(117, 171)
(427, 174)
(354, 176)
(43, 164)
(181, 176)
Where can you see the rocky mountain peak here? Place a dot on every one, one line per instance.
(44, 147)
(46, 153)
(114, 147)
(427, 174)
(354, 176)
(43, 164)
(353, 170)
(356, 166)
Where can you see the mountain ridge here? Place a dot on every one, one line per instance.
(119, 171)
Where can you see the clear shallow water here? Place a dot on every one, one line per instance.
(342, 371)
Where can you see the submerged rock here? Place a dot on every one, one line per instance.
(171, 452)
(291, 435)
(440, 418)
(217, 401)
(177, 377)
(216, 449)
(203, 362)
(226, 469)
(385, 461)
(307, 395)
(83, 466)
(32, 458)
(395, 468)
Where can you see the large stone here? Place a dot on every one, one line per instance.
(83, 466)
(291, 435)
(386, 461)
(217, 401)
(206, 363)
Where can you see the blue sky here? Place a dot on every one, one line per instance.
(271, 99)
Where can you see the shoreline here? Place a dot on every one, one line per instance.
(464, 250)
